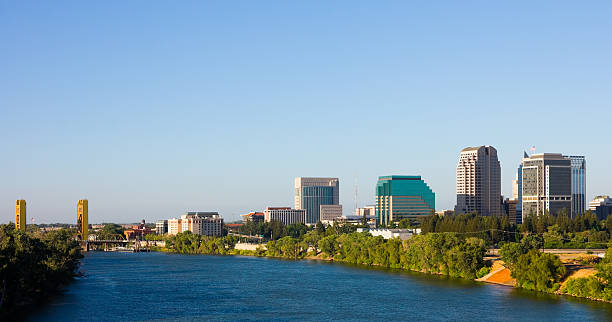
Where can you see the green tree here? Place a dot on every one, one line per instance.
(538, 271)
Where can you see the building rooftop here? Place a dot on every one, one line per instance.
(396, 177)
(548, 156)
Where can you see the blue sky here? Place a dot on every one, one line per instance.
(152, 108)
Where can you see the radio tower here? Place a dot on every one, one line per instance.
(355, 210)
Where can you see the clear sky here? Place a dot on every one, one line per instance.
(153, 108)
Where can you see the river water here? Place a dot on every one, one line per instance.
(159, 286)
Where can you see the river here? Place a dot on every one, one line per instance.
(160, 286)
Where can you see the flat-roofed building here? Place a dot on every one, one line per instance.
(601, 206)
(311, 193)
(203, 223)
(286, 215)
(175, 226)
(399, 197)
(479, 181)
(253, 216)
(546, 184)
(330, 212)
(578, 163)
(368, 211)
(446, 212)
(161, 227)
(510, 209)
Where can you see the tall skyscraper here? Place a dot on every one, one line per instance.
(20, 215)
(399, 197)
(519, 191)
(578, 184)
(547, 184)
(479, 181)
(82, 220)
(311, 193)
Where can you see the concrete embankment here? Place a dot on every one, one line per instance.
(249, 246)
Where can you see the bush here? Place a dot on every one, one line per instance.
(483, 272)
(587, 287)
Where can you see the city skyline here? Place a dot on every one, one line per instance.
(175, 111)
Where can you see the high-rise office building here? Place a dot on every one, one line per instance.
(311, 193)
(20, 215)
(399, 197)
(547, 184)
(479, 181)
(578, 184)
(517, 191)
(82, 220)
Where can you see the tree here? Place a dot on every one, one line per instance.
(328, 245)
(510, 252)
(538, 271)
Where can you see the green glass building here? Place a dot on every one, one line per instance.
(399, 197)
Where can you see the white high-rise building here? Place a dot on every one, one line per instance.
(479, 181)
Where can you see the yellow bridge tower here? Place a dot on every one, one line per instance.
(82, 223)
(20, 215)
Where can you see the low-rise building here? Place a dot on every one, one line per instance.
(402, 234)
(509, 209)
(161, 227)
(138, 231)
(286, 215)
(253, 216)
(443, 213)
(330, 212)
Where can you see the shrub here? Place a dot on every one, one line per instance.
(483, 271)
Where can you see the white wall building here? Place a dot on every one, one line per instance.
(199, 223)
(402, 234)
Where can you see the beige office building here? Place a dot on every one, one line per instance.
(286, 215)
(479, 181)
(199, 223)
(330, 212)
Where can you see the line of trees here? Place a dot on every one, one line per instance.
(439, 253)
(554, 231)
(34, 265)
(275, 230)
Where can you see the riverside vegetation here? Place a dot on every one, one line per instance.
(34, 265)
